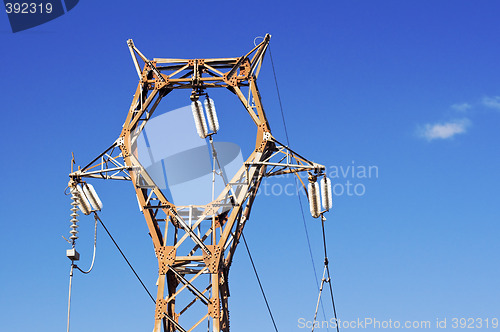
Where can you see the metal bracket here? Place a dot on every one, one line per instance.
(166, 257)
(161, 308)
(214, 307)
(72, 254)
(120, 141)
(263, 136)
(212, 261)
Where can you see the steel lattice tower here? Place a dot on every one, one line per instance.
(195, 266)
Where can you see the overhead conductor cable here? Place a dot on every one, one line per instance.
(296, 183)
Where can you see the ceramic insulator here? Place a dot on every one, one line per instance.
(213, 121)
(326, 193)
(314, 200)
(199, 118)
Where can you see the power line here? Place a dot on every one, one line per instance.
(279, 97)
(296, 183)
(123, 255)
(95, 246)
(328, 270)
(69, 294)
(260, 285)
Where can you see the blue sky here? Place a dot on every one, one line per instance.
(410, 87)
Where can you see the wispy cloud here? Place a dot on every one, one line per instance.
(461, 107)
(447, 130)
(444, 130)
(491, 102)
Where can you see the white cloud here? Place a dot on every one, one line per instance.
(444, 130)
(462, 107)
(491, 102)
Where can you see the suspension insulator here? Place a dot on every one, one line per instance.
(74, 215)
(91, 194)
(213, 121)
(326, 193)
(83, 203)
(314, 200)
(199, 119)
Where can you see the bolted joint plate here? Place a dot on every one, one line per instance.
(159, 84)
(263, 136)
(245, 69)
(214, 308)
(212, 261)
(166, 256)
(211, 208)
(161, 308)
(121, 143)
(230, 80)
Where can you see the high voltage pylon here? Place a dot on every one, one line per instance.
(193, 267)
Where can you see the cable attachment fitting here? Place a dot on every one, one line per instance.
(312, 177)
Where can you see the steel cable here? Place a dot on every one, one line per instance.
(93, 255)
(258, 280)
(296, 182)
(328, 271)
(124, 257)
